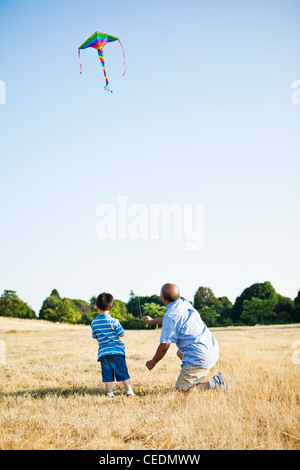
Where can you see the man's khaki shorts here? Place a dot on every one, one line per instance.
(190, 375)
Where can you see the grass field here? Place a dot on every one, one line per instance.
(52, 397)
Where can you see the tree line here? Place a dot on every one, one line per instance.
(257, 304)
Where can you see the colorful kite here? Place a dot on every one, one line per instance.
(98, 41)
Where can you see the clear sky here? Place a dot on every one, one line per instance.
(203, 115)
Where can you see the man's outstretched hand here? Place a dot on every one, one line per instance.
(146, 319)
(160, 353)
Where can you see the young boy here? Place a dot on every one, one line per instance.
(111, 352)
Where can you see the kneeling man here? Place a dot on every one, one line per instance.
(197, 348)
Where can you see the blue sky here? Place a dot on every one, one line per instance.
(203, 115)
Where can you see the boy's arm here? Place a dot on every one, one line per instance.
(119, 329)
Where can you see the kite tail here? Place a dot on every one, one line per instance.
(123, 56)
(106, 86)
(79, 61)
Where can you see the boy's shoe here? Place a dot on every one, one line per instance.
(220, 381)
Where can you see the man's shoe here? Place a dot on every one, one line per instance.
(220, 381)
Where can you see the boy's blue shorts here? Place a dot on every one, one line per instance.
(113, 367)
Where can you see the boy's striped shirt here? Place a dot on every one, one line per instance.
(107, 330)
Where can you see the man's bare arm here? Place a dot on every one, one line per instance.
(152, 321)
(160, 353)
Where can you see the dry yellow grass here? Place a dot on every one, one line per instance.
(51, 395)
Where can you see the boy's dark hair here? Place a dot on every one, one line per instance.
(105, 301)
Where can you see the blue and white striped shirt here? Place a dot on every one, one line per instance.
(107, 330)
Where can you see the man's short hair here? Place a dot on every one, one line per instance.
(105, 301)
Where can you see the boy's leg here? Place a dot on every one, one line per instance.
(108, 387)
(107, 375)
(127, 384)
(128, 387)
(122, 375)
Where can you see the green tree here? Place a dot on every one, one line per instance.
(133, 323)
(223, 306)
(209, 315)
(119, 311)
(83, 309)
(66, 314)
(204, 297)
(12, 306)
(153, 310)
(50, 307)
(93, 301)
(258, 310)
(135, 303)
(49, 314)
(284, 309)
(55, 293)
(88, 311)
(297, 308)
(263, 291)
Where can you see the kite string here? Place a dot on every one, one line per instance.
(123, 56)
(79, 61)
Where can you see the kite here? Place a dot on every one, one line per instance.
(98, 41)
